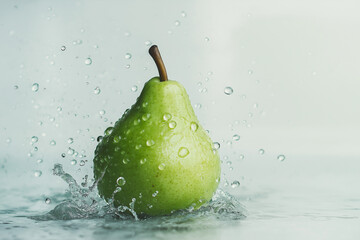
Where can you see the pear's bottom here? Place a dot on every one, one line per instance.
(158, 192)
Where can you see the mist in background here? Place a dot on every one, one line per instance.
(292, 67)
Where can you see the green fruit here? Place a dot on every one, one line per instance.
(157, 158)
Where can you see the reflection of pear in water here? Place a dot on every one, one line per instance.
(157, 157)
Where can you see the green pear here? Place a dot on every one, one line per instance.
(157, 158)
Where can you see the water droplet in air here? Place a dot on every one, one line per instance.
(281, 158)
(63, 155)
(63, 48)
(102, 112)
(97, 90)
(177, 23)
(236, 137)
(207, 39)
(261, 151)
(134, 88)
(121, 181)
(70, 140)
(128, 55)
(197, 105)
(127, 66)
(148, 43)
(47, 200)
(203, 90)
(52, 143)
(82, 163)
(34, 139)
(73, 162)
(35, 87)
(183, 14)
(16, 87)
(228, 90)
(216, 145)
(39, 161)
(235, 184)
(194, 126)
(183, 152)
(161, 166)
(37, 173)
(71, 151)
(150, 143)
(88, 61)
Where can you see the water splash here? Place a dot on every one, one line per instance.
(82, 203)
(85, 203)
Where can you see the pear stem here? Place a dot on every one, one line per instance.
(155, 54)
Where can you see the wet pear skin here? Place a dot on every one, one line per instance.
(157, 154)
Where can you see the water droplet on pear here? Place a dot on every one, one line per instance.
(194, 126)
(108, 131)
(150, 143)
(161, 166)
(145, 116)
(167, 116)
(172, 124)
(183, 152)
(121, 181)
